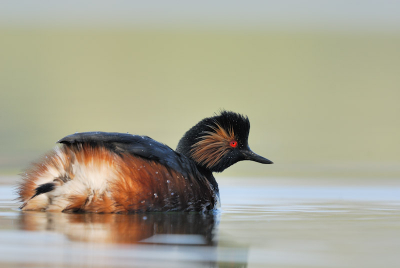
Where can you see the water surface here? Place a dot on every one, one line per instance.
(262, 225)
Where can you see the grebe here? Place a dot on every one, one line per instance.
(105, 172)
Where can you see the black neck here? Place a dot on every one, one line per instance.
(208, 174)
(184, 148)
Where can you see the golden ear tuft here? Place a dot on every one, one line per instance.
(213, 145)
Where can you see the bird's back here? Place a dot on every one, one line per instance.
(108, 173)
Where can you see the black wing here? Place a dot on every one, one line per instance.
(142, 146)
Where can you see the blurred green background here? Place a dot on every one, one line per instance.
(322, 101)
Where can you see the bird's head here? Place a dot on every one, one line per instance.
(218, 142)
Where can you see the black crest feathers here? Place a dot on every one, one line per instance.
(208, 142)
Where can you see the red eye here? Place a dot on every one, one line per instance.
(233, 144)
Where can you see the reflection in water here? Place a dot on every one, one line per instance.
(181, 239)
(147, 240)
(150, 228)
(260, 227)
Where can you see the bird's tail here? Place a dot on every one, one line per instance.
(66, 178)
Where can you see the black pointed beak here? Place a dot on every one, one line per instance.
(250, 155)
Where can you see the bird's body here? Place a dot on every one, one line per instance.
(122, 173)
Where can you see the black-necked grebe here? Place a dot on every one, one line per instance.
(106, 172)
